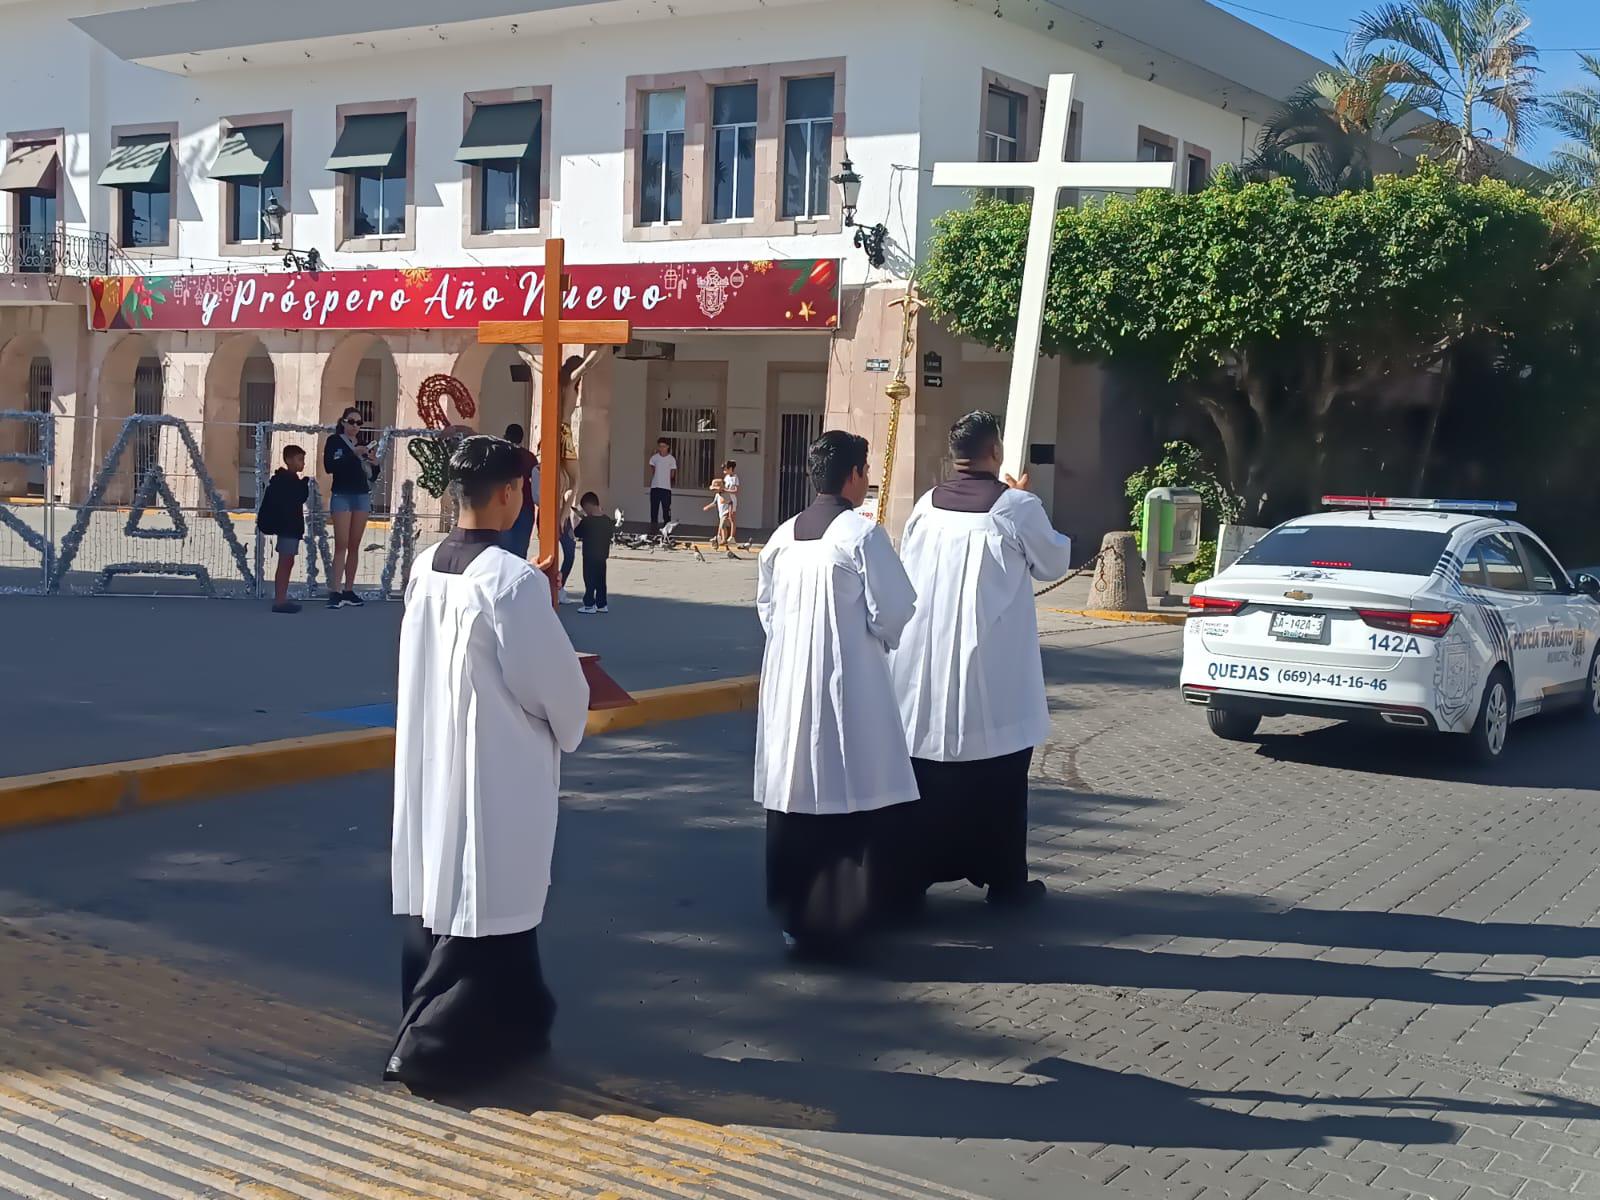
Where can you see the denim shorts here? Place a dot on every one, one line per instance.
(350, 502)
(288, 547)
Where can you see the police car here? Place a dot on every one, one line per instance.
(1425, 614)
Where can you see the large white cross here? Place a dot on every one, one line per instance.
(1046, 177)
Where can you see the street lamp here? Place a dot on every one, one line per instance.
(869, 239)
(293, 260)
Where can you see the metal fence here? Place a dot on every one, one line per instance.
(155, 505)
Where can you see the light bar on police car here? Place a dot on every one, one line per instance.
(1408, 502)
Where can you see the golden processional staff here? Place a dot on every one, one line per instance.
(897, 389)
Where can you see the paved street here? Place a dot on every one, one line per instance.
(91, 679)
(1328, 963)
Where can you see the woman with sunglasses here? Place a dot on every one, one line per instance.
(353, 467)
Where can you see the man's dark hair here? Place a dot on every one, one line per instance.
(480, 465)
(833, 458)
(589, 498)
(290, 451)
(662, 442)
(515, 434)
(974, 435)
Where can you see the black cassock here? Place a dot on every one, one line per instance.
(474, 1007)
(832, 876)
(971, 823)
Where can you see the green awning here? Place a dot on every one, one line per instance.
(248, 153)
(500, 131)
(30, 169)
(370, 142)
(143, 161)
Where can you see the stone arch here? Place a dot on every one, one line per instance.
(27, 384)
(486, 370)
(239, 377)
(132, 379)
(361, 373)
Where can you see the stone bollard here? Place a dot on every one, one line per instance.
(1119, 575)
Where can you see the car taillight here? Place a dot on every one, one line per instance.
(1215, 605)
(1429, 624)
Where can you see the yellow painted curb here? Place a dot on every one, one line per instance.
(680, 703)
(1132, 618)
(56, 796)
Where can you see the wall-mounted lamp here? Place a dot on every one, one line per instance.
(869, 239)
(293, 260)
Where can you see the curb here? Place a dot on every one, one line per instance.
(77, 793)
(1131, 618)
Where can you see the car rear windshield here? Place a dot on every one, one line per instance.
(1368, 546)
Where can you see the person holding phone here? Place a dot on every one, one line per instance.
(353, 467)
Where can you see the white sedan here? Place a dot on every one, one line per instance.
(1425, 614)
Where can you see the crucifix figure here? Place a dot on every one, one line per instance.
(550, 333)
(1045, 178)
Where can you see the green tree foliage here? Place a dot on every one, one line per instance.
(1467, 65)
(1455, 78)
(1182, 465)
(1277, 309)
(1323, 138)
(1575, 113)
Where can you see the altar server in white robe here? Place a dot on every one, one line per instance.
(968, 673)
(490, 695)
(831, 767)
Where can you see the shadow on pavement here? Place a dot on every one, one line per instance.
(1248, 919)
(1073, 1102)
(1244, 974)
(1550, 751)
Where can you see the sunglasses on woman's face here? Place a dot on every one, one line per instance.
(352, 420)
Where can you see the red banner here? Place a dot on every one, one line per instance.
(798, 293)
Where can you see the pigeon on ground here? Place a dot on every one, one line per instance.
(700, 557)
(734, 556)
(748, 544)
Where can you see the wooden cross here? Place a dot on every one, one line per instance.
(1046, 177)
(551, 333)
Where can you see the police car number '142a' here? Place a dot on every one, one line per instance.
(1395, 643)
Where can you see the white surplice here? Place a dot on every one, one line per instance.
(967, 673)
(491, 692)
(828, 736)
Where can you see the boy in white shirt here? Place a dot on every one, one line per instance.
(662, 477)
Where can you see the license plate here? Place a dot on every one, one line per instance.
(1298, 627)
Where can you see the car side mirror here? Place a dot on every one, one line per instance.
(1589, 586)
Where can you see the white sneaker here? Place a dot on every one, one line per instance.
(588, 608)
(567, 598)
(602, 609)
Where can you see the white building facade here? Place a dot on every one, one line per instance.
(403, 137)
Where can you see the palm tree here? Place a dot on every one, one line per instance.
(1575, 113)
(1322, 138)
(1461, 62)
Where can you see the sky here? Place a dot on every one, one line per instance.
(1556, 23)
